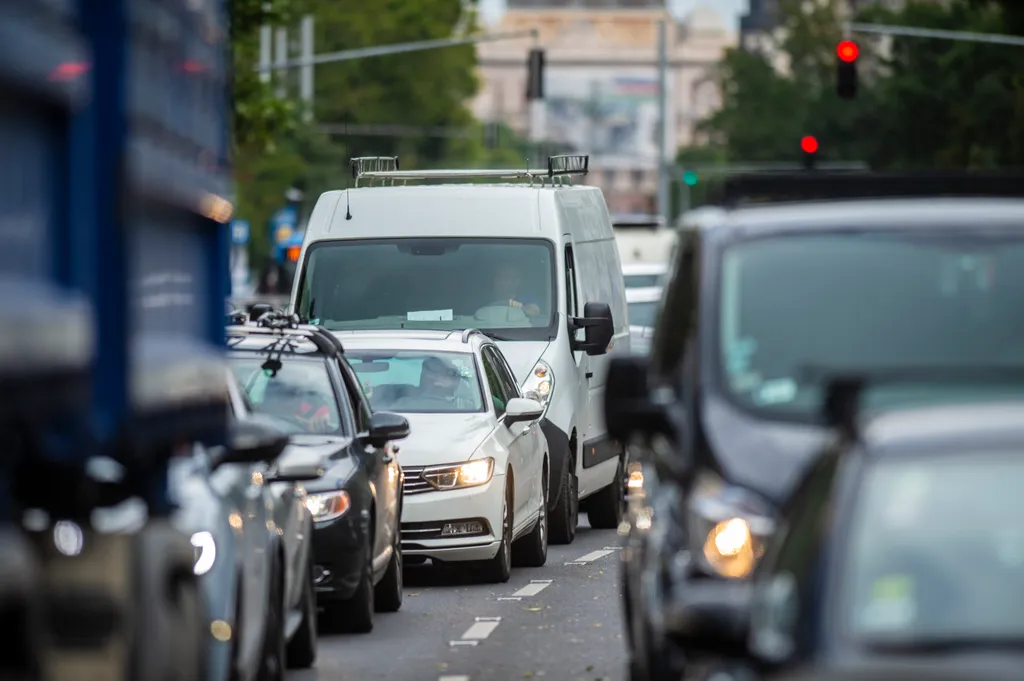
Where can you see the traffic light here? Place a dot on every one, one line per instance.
(809, 145)
(690, 178)
(846, 69)
(535, 75)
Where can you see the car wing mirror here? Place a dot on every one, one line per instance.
(252, 441)
(386, 427)
(522, 410)
(598, 329)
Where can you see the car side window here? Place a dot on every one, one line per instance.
(571, 299)
(676, 327)
(492, 369)
(360, 405)
(508, 379)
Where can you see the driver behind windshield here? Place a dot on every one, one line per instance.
(438, 379)
(507, 282)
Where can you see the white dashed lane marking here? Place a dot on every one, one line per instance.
(453, 678)
(480, 630)
(533, 588)
(592, 556)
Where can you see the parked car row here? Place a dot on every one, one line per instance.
(823, 426)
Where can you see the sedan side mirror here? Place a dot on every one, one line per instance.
(297, 472)
(522, 410)
(629, 406)
(386, 427)
(597, 326)
(713, 617)
(252, 441)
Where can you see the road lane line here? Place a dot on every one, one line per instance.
(594, 555)
(533, 588)
(612, 548)
(462, 643)
(481, 629)
(509, 598)
(453, 678)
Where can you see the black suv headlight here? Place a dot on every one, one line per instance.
(728, 527)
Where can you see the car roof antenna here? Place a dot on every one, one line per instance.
(348, 199)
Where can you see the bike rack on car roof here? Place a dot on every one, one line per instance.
(753, 188)
(279, 324)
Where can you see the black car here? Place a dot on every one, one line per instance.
(298, 374)
(724, 412)
(899, 556)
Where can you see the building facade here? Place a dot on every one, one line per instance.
(602, 85)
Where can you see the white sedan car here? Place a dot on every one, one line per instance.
(476, 460)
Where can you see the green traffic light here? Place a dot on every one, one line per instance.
(690, 178)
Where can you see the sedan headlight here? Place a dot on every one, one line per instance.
(326, 506)
(471, 474)
(729, 527)
(205, 552)
(540, 383)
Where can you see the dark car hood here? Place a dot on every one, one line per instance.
(335, 453)
(762, 455)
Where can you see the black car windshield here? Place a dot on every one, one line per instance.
(936, 551)
(858, 301)
(642, 314)
(419, 382)
(505, 286)
(299, 392)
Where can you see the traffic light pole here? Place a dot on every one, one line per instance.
(916, 32)
(397, 48)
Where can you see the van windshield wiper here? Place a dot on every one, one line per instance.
(945, 644)
(493, 336)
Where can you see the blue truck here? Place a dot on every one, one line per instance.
(113, 275)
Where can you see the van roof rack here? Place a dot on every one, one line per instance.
(753, 188)
(280, 324)
(559, 170)
(376, 164)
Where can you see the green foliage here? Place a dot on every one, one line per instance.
(922, 103)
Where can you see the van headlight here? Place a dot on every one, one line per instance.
(469, 474)
(540, 383)
(205, 552)
(729, 527)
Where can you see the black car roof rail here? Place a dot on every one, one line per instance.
(843, 389)
(754, 188)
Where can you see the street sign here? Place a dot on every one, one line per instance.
(283, 225)
(239, 232)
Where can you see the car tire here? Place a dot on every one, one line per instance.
(532, 550)
(301, 649)
(355, 615)
(565, 514)
(388, 594)
(498, 570)
(607, 506)
(272, 664)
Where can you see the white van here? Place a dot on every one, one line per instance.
(530, 260)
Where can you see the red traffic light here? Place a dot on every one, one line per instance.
(809, 144)
(847, 51)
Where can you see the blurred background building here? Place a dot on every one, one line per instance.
(601, 84)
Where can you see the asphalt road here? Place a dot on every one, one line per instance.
(560, 622)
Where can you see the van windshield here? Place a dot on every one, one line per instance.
(504, 287)
(862, 301)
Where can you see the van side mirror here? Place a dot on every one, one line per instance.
(252, 441)
(597, 326)
(386, 427)
(629, 406)
(713, 617)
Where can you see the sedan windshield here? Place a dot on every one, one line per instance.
(859, 301)
(298, 392)
(419, 382)
(937, 551)
(501, 285)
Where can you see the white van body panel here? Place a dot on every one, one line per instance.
(565, 216)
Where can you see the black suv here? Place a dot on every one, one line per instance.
(298, 375)
(725, 412)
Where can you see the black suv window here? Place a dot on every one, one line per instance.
(676, 326)
(299, 392)
(360, 404)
